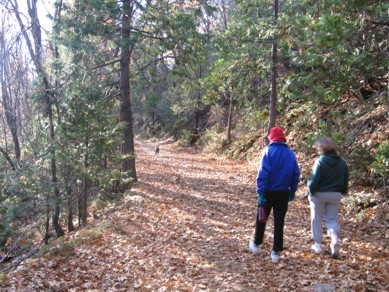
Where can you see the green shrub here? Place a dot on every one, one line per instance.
(380, 164)
(15, 208)
(58, 248)
(360, 160)
(212, 140)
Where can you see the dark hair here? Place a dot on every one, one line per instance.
(326, 146)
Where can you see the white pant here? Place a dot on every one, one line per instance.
(325, 204)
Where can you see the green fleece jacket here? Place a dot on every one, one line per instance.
(329, 174)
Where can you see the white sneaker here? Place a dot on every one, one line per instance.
(317, 248)
(254, 248)
(335, 247)
(274, 256)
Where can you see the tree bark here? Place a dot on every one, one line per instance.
(47, 220)
(198, 104)
(8, 158)
(85, 195)
(229, 121)
(70, 208)
(9, 112)
(387, 99)
(85, 187)
(273, 95)
(79, 202)
(128, 147)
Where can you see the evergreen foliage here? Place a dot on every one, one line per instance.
(196, 68)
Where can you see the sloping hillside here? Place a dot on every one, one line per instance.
(361, 128)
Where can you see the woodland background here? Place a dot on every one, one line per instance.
(86, 86)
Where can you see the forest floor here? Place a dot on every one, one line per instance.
(185, 226)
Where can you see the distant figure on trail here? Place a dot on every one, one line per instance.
(157, 150)
(277, 181)
(326, 184)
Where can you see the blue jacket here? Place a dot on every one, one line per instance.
(278, 170)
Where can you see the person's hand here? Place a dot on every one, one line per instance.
(291, 197)
(261, 199)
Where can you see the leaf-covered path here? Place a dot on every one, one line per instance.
(185, 226)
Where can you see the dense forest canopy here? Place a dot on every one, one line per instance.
(75, 95)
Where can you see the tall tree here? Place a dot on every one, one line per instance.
(273, 95)
(128, 147)
(34, 46)
(10, 111)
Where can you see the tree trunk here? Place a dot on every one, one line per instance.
(273, 95)
(387, 97)
(70, 209)
(85, 195)
(128, 147)
(57, 196)
(9, 112)
(47, 221)
(36, 56)
(8, 158)
(224, 15)
(79, 201)
(229, 121)
(198, 104)
(85, 188)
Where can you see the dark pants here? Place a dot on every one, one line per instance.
(278, 201)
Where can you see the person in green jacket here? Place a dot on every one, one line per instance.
(326, 184)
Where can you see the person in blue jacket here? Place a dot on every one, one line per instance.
(326, 184)
(277, 181)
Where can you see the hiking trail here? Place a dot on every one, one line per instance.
(185, 226)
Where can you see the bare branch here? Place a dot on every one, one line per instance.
(104, 64)
(8, 158)
(155, 60)
(378, 23)
(30, 254)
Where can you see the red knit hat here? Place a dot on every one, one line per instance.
(276, 134)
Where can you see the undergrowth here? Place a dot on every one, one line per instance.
(360, 127)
